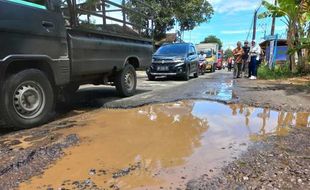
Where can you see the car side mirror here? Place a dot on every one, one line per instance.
(191, 53)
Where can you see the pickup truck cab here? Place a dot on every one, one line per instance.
(51, 47)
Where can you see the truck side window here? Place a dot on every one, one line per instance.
(65, 12)
(41, 4)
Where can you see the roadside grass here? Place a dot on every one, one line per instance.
(279, 72)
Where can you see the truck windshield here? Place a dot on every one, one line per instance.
(175, 49)
(208, 53)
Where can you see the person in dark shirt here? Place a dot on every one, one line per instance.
(245, 57)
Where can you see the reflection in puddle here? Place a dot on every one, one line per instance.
(223, 92)
(162, 145)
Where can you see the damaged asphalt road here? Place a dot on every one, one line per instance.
(161, 161)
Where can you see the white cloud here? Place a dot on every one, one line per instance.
(232, 6)
(224, 6)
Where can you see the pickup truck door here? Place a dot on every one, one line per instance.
(30, 29)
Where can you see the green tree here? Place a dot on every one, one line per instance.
(187, 14)
(296, 14)
(228, 53)
(213, 39)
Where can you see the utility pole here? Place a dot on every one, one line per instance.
(254, 25)
(255, 22)
(273, 20)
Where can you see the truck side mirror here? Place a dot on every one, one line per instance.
(54, 5)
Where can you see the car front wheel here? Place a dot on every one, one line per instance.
(196, 74)
(186, 74)
(151, 77)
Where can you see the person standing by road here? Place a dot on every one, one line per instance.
(230, 61)
(238, 54)
(254, 58)
(245, 62)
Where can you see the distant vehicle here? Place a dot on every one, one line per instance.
(211, 50)
(50, 48)
(202, 65)
(219, 64)
(177, 60)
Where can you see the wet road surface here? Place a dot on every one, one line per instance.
(160, 146)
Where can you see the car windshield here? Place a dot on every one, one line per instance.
(174, 49)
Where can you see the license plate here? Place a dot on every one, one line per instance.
(162, 68)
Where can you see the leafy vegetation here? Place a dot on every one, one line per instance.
(213, 39)
(187, 14)
(228, 53)
(279, 72)
(296, 14)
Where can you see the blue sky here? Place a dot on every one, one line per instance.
(231, 23)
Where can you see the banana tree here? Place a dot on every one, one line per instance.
(296, 14)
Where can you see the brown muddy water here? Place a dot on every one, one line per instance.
(160, 146)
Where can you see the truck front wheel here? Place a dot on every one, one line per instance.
(126, 81)
(27, 99)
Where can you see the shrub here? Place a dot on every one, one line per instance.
(279, 72)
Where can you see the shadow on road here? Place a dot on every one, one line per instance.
(86, 99)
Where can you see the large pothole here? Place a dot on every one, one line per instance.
(162, 145)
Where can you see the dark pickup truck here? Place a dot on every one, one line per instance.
(51, 47)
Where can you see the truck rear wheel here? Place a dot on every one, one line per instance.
(126, 81)
(27, 99)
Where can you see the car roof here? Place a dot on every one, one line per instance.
(181, 43)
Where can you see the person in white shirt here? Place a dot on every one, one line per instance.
(254, 56)
(202, 56)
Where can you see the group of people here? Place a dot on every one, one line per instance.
(246, 60)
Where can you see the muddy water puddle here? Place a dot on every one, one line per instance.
(160, 146)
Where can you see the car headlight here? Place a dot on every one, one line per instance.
(180, 64)
(179, 60)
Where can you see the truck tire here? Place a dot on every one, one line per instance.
(213, 69)
(27, 99)
(126, 81)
